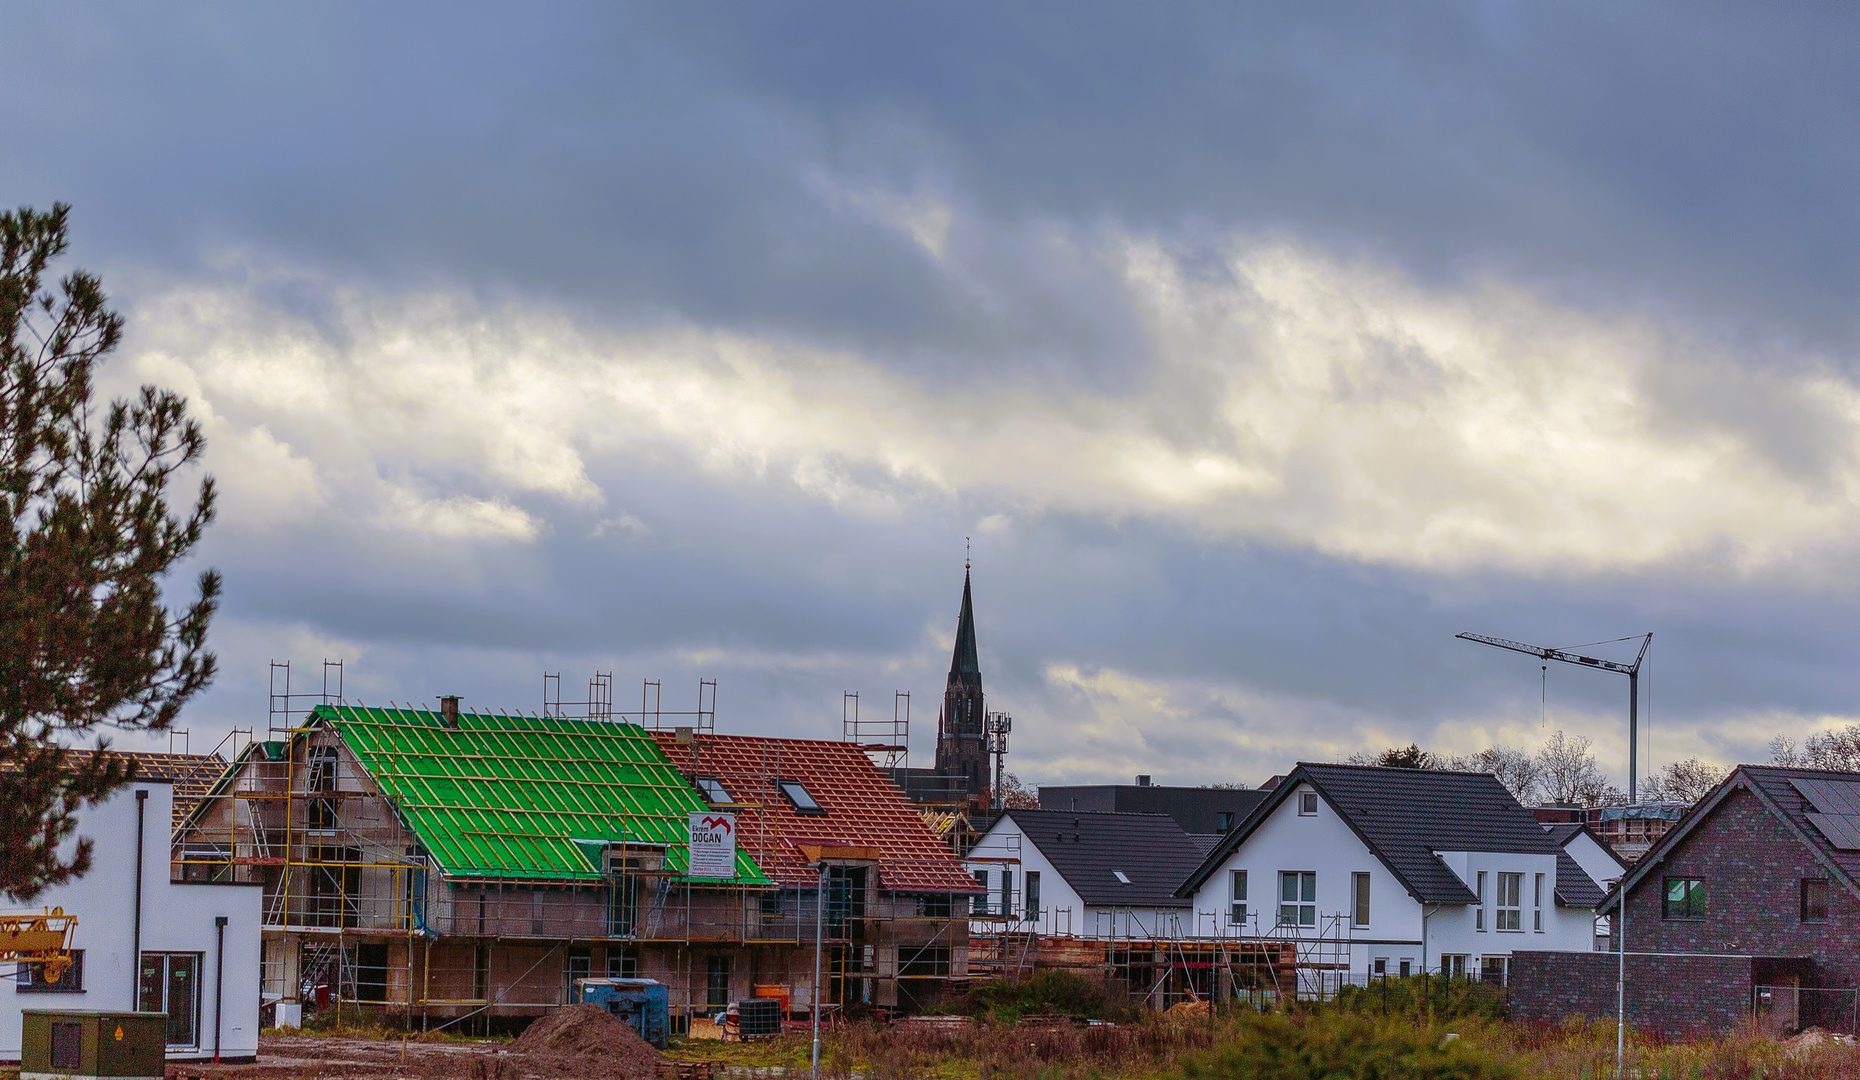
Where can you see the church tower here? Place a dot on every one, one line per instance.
(961, 737)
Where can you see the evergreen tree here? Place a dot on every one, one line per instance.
(86, 642)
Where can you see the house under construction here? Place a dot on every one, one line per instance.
(464, 868)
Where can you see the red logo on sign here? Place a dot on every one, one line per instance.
(717, 823)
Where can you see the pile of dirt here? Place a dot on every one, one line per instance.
(588, 1043)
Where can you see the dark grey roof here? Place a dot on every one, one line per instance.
(1149, 849)
(1204, 841)
(1196, 809)
(1404, 816)
(1563, 831)
(1574, 887)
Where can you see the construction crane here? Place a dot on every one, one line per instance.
(1632, 671)
(43, 938)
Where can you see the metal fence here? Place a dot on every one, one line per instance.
(1783, 1007)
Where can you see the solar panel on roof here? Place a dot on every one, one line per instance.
(1842, 830)
(1829, 796)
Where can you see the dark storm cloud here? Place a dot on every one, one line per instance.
(718, 167)
(633, 158)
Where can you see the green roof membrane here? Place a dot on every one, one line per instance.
(526, 796)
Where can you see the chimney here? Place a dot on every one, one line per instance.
(449, 711)
(1143, 779)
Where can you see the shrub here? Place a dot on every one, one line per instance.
(1062, 993)
(1424, 997)
(1333, 1045)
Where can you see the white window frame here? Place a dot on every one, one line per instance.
(1479, 910)
(1510, 902)
(1307, 804)
(1359, 899)
(1236, 883)
(1300, 908)
(1537, 904)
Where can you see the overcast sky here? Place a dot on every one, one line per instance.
(1258, 349)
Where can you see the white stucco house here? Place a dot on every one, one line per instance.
(198, 943)
(1400, 872)
(1080, 874)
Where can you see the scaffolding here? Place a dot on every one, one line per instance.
(357, 912)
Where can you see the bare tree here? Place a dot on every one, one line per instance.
(1685, 781)
(1017, 796)
(1838, 750)
(1567, 772)
(1517, 770)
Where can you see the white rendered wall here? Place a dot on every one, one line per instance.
(1594, 859)
(1062, 911)
(1326, 845)
(175, 918)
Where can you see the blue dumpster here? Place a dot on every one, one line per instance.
(639, 1003)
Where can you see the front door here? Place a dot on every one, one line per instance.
(170, 983)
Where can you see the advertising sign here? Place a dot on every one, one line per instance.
(713, 844)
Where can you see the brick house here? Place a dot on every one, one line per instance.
(1748, 906)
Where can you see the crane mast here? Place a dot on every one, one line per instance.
(1563, 656)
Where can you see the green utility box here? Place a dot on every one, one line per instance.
(79, 1042)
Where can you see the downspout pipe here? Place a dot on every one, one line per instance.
(135, 934)
(219, 979)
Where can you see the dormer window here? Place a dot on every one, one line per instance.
(1307, 804)
(714, 791)
(797, 794)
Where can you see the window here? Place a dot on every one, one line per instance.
(1537, 904)
(935, 906)
(170, 983)
(771, 907)
(1510, 911)
(1307, 803)
(1236, 915)
(1224, 821)
(1030, 910)
(1453, 965)
(1479, 912)
(1814, 900)
(978, 904)
(1007, 894)
(714, 791)
(1297, 898)
(846, 898)
(923, 961)
(623, 906)
(1407, 967)
(1684, 898)
(321, 813)
(1121, 878)
(717, 982)
(804, 803)
(580, 966)
(1493, 969)
(30, 978)
(622, 964)
(1382, 967)
(1359, 899)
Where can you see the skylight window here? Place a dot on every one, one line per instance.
(1119, 875)
(713, 790)
(804, 803)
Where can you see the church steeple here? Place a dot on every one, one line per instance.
(964, 667)
(962, 737)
